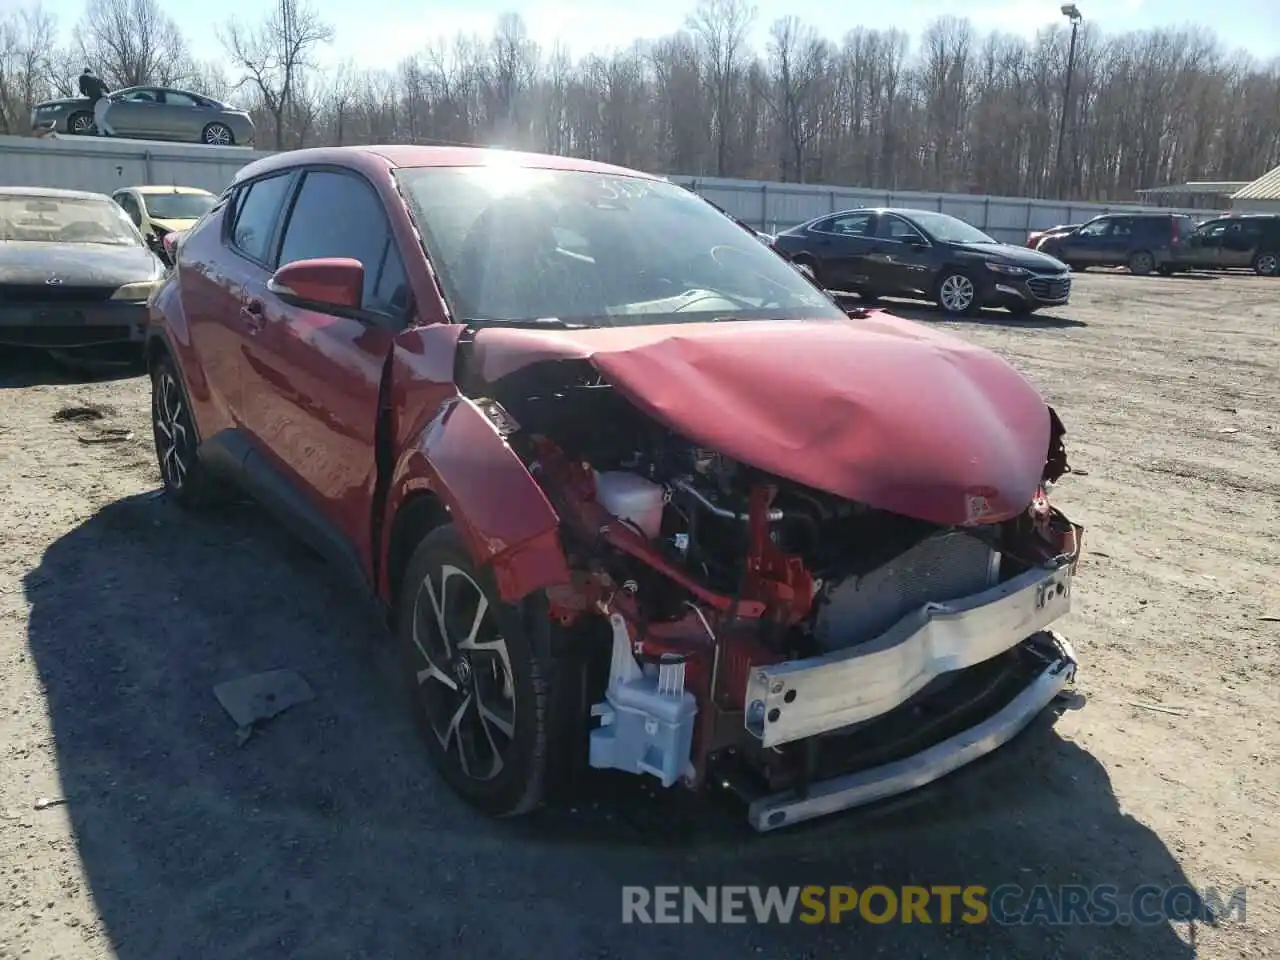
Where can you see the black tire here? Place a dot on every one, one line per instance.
(81, 124)
(1166, 270)
(1141, 263)
(186, 478)
(946, 293)
(217, 134)
(1267, 264)
(547, 737)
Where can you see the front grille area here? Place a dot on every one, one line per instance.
(55, 337)
(946, 566)
(1050, 288)
(52, 293)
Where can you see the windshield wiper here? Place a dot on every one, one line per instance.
(553, 322)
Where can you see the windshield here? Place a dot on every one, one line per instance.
(66, 220)
(516, 244)
(949, 229)
(178, 206)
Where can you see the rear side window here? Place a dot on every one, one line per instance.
(257, 211)
(340, 215)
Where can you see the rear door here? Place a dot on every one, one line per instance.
(182, 116)
(219, 292)
(842, 244)
(312, 379)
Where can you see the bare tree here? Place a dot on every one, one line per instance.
(132, 42)
(722, 26)
(797, 74)
(956, 110)
(273, 57)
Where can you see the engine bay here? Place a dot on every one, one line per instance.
(704, 567)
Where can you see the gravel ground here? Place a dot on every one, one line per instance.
(327, 835)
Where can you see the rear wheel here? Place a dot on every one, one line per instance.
(186, 478)
(81, 124)
(1141, 263)
(1267, 264)
(957, 294)
(218, 135)
(494, 704)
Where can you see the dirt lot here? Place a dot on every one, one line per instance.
(327, 836)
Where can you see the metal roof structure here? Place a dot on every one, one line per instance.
(1220, 188)
(1266, 187)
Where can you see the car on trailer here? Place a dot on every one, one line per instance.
(633, 493)
(150, 113)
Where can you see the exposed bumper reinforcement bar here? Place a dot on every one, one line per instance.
(800, 698)
(891, 779)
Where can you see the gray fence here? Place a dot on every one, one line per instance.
(772, 206)
(88, 163)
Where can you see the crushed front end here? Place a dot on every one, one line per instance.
(807, 651)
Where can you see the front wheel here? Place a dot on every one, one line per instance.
(218, 135)
(1267, 264)
(957, 294)
(490, 697)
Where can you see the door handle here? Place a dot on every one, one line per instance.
(252, 315)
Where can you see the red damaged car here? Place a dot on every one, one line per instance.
(633, 492)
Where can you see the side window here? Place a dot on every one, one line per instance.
(257, 210)
(1122, 227)
(131, 207)
(175, 99)
(1097, 228)
(141, 96)
(339, 215)
(848, 225)
(895, 228)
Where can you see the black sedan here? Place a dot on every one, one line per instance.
(75, 273)
(921, 254)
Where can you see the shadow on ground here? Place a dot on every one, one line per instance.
(23, 367)
(327, 835)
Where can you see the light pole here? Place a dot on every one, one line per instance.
(1072, 13)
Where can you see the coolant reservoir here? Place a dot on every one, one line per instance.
(632, 498)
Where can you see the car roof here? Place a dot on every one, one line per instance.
(383, 157)
(52, 193)
(151, 189)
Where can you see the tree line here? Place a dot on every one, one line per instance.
(953, 110)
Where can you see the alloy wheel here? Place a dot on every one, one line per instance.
(464, 680)
(173, 441)
(217, 134)
(1268, 265)
(82, 124)
(956, 293)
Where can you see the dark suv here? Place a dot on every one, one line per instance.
(1236, 241)
(1140, 241)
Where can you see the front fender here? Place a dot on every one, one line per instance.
(502, 514)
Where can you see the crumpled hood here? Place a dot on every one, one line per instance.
(173, 226)
(76, 264)
(880, 410)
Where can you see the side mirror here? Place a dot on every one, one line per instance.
(331, 283)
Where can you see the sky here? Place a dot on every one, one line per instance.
(378, 33)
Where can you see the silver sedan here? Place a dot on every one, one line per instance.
(151, 113)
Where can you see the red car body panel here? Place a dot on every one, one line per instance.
(880, 410)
